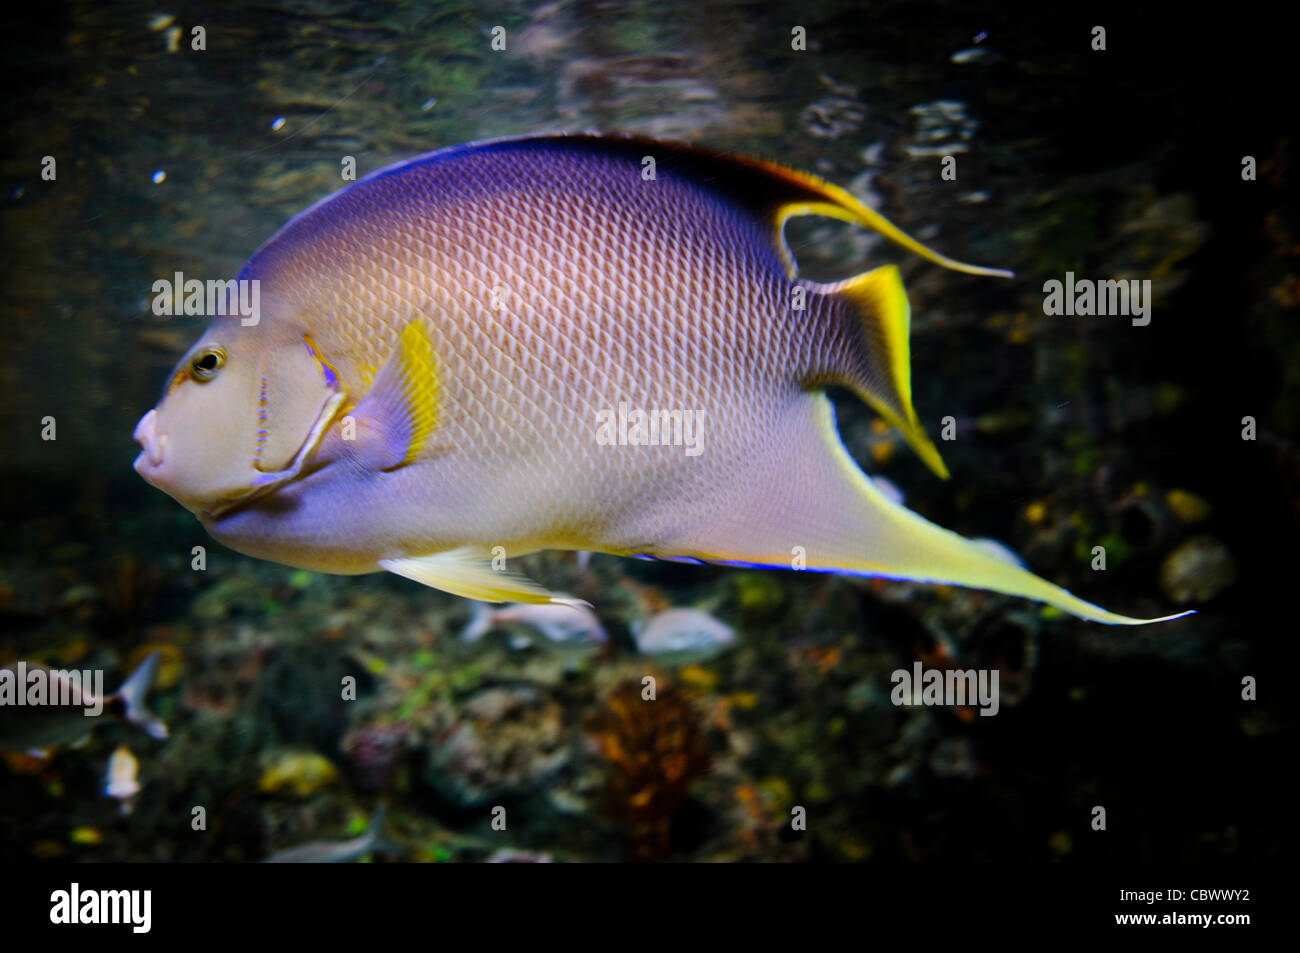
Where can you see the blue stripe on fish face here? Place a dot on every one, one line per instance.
(262, 434)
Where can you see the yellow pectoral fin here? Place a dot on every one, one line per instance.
(401, 409)
(468, 572)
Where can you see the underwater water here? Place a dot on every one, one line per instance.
(1148, 463)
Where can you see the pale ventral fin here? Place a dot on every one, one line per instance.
(468, 572)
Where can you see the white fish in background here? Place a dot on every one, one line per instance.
(338, 852)
(682, 635)
(561, 625)
(976, 54)
(121, 781)
(509, 855)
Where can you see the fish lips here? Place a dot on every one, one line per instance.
(149, 462)
(153, 443)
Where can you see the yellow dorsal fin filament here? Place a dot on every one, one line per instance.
(840, 204)
(884, 314)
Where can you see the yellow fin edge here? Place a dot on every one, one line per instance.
(881, 302)
(937, 555)
(421, 385)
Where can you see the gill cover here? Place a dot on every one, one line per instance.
(294, 390)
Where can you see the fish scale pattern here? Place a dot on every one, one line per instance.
(554, 284)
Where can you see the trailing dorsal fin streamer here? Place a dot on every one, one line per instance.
(775, 191)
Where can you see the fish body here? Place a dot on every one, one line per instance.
(560, 342)
(336, 852)
(684, 635)
(46, 726)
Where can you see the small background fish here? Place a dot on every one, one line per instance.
(337, 852)
(683, 634)
(35, 727)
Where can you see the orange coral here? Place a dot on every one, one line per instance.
(655, 749)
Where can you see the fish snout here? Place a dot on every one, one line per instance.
(152, 444)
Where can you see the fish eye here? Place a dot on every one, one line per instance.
(207, 362)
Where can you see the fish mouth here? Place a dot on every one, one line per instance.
(153, 443)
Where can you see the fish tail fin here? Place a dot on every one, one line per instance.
(812, 502)
(880, 368)
(133, 693)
